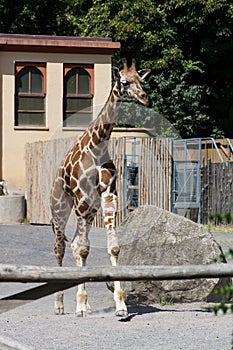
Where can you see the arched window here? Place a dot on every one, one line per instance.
(78, 95)
(30, 95)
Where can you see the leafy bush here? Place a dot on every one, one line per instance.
(227, 293)
(219, 219)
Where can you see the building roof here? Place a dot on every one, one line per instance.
(61, 44)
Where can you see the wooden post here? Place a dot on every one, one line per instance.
(14, 273)
(57, 278)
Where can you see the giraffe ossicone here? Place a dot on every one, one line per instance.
(86, 181)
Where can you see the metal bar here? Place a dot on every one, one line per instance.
(230, 146)
(125, 185)
(217, 150)
(187, 161)
(198, 193)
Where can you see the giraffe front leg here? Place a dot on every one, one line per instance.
(109, 205)
(80, 249)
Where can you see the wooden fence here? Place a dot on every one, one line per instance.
(56, 279)
(154, 158)
(217, 189)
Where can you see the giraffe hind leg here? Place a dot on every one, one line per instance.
(61, 205)
(60, 209)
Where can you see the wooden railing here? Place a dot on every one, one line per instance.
(56, 278)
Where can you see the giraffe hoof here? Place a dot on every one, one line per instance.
(122, 313)
(59, 311)
(81, 313)
(59, 305)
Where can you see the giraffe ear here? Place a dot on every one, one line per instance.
(116, 73)
(143, 73)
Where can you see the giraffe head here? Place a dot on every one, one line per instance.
(129, 82)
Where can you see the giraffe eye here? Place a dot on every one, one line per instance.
(125, 83)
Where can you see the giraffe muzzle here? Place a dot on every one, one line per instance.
(143, 98)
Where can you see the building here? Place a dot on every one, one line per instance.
(51, 87)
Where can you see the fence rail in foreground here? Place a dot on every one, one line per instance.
(77, 275)
(56, 278)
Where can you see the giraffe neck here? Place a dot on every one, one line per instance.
(100, 129)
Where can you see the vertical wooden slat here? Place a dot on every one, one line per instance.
(217, 188)
(154, 174)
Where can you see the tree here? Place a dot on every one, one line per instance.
(145, 34)
(41, 16)
(181, 101)
(29, 17)
(186, 43)
(204, 33)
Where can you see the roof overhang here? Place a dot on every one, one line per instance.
(57, 44)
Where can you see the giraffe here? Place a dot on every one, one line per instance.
(86, 181)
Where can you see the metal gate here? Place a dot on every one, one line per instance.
(147, 172)
(186, 177)
(186, 187)
(131, 165)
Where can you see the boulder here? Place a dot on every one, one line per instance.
(153, 236)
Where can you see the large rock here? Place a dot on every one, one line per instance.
(152, 236)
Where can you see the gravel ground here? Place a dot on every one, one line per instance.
(34, 325)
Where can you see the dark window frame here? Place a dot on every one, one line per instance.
(19, 67)
(89, 69)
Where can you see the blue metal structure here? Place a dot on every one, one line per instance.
(188, 157)
(131, 195)
(186, 178)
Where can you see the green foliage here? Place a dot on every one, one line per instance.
(227, 292)
(30, 17)
(41, 16)
(217, 134)
(135, 115)
(26, 221)
(228, 217)
(204, 28)
(179, 101)
(218, 219)
(177, 41)
(187, 44)
(140, 26)
(165, 302)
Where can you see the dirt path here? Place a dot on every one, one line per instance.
(170, 327)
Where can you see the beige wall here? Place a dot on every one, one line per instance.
(14, 140)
